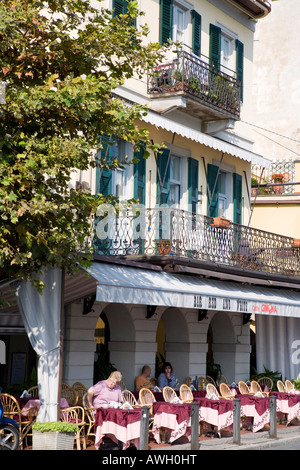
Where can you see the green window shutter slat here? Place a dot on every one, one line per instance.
(163, 177)
(196, 24)
(140, 176)
(105, 184)
(214, 46)
(119, 7)
(165, 21)
(212, 207)
(237, 198)
(193, 183)
(240, 63)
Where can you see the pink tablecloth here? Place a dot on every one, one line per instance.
(256, 407)
(288, 404)
(175, 417)
(218, 413)
(119, 425)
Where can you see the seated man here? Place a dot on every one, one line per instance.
(105, 391)
(142, 381)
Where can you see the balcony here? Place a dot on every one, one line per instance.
(209, 94)
(165, 235)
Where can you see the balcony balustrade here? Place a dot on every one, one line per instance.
(216, 92)
(167, 232)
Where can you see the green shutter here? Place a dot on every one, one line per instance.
(165, 21)
(105, 184)
(163, 177)
(196, 23)
(193, 183)
(212, 182)
(240, 63)
(237, 198)
(119, 7)
(214, 46)
(139, 171)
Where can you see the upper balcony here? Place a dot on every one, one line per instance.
(208, 93)
(169, 236)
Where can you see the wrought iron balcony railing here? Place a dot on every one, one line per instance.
(165, 231)
(199, 80)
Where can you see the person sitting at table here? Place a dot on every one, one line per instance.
(105, 391)
(166, 378)
(142, 381)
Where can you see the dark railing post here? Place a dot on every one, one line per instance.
(237, 421)
(273, 418)
(194, 426)
(144, 428)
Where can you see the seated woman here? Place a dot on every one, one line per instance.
(166, 378)
(105, 391)
(143, 381)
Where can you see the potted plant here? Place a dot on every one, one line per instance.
(220, 222)
(163, 246)
(53, 435)
(278, 178)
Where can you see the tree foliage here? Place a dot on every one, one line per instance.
(61, 62)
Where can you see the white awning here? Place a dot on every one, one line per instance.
(169, 125)
(129, 285)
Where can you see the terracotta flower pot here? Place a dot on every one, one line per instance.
(220, 222)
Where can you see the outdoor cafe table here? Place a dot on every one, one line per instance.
(256, 407)
(174, 416)
(119, 425)
(288, 403)
(218, 412)
(34, 403)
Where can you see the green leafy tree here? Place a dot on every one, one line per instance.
(61, 62)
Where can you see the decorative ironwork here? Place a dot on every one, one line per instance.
(278, 179)
(198, 79)
(165, 231)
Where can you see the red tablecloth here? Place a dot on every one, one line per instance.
(218, 413)
(288, 404)
(119, 425)
(256, 407)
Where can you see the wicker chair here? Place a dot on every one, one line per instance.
(34, 391)
(210, 380)
(280, 386)
(128, 396)
(186, 394)
(202, 383)
(244, 389)
(188, 381)
(76, 414)
(211, 391)
(90, 415)
(221, 379)
(226, 392)
(154, 381)
(147, 398)
(80, 390)
(25, 417)
(289, 386)
(69, 394)
(256, 388)
(169, 393)
(266, 382)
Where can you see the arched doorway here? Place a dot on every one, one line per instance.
(102, 365)
(173, 342)
(221, 346)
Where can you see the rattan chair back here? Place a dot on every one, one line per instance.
(186, 393)
(226, 392)
(169, 393)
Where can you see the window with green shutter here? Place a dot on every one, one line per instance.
(139, 171)
(212, 191)
(214, 46)
(165, 21)
(193, 183)
(163, 177)
(237, 198)
(119, 7)
(196, 24)
(240, 63)
(104, 176)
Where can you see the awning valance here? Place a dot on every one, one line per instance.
(169, 125)
(128, 285)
